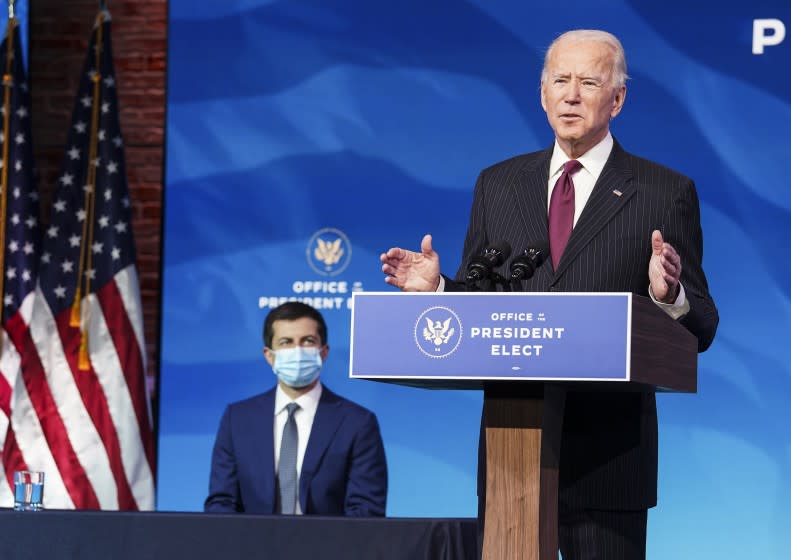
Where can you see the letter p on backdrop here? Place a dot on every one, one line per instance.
(761, 37)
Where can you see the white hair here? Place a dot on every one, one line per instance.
(619, 75)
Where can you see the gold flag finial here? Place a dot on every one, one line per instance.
(76, 311)
(83, 361)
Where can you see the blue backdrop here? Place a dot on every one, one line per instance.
(363, 125)
(21, 14)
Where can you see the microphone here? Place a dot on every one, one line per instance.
(525, 265)
(494, 255)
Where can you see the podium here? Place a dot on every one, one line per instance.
(525, 351)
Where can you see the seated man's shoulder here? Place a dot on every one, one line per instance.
(252, 403)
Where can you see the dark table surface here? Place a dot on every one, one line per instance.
(89, 535)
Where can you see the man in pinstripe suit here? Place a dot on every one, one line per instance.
(636, 228)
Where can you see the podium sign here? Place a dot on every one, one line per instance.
(525, 350)
(491, 336)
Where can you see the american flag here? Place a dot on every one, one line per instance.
(19, 236)
(82, 414)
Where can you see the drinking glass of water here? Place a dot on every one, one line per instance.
(28, 490)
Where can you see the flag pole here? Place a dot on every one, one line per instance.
(8, 83)
(77, 318)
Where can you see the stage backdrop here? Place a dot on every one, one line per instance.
(306, 137)
(21, 10)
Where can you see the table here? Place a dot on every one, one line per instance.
(104, 535)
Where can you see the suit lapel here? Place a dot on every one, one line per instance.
(325, 424)
(530, 192)
(264, 452)
(610, 193)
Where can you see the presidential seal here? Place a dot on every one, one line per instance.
(329, 252)
(438, 332)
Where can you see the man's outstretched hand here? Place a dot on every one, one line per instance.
(410, 271)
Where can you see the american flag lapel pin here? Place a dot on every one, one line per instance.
(616, 192)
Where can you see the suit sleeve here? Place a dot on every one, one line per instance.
(224, 495)
(682, 229)
(475, 240)
(366, 490)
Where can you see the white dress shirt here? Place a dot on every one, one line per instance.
(303, 416)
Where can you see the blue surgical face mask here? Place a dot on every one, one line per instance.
(297, 367)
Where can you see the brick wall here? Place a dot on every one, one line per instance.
(59, 34)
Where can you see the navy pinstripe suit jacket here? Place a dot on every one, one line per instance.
(609, 442)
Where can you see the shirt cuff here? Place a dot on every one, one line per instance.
(441, 286)
(678, 308)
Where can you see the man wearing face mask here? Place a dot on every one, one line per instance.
(298, 448)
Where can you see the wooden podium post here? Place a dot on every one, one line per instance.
(522, 456)
(523, 423)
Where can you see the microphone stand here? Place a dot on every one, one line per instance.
(472, 285)
(492, 283)
(498, 280)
